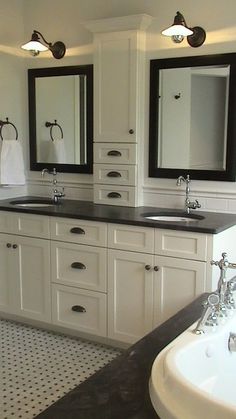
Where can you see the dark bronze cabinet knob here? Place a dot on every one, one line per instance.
(131, 131)
(78, 265)
(78, 309)
(148, 267)
(8, 245)
(77, 230)
(14, 246)
(116, 153)
(156, 268)
(114, 195)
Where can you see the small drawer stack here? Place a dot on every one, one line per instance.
(115, 174)
(79, 275)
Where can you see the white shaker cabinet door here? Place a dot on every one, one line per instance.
(130, 295)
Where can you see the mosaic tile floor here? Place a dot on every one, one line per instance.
(38, 367)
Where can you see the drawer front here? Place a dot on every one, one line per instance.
(133, 238)
(25, 224)
(115, 153)
(115, 174)
(125, 196)
(81, 310)
(79, 231)
(181, 244)
(79, 266)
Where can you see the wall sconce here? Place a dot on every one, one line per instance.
(179, 29)
(35, 46)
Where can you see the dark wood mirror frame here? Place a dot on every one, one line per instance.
(205, 60)
(61, 71)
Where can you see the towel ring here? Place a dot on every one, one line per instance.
(51, 125)
(3, 123)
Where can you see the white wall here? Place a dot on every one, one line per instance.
(13, 86)
(63, 20)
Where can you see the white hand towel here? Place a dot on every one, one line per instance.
(57, 153)
(11, 163)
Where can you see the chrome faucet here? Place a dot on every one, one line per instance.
(219, 303)
(209, 315)
(188, 204)
(56, 193)
(225, 287)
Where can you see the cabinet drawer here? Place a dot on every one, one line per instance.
(79, 231)
(115, 153)
(79, 266)
(115, 174)
(182, 244)
(79, 309)
(133, 238)
(25, 224)
(115, 195)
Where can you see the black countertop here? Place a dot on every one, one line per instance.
(212, 222)
(120, 389)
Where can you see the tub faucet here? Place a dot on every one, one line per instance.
(188, 204)
(209, 314)
(225, 288)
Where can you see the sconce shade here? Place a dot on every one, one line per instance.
(35, 46)
(195, 36)
(179, 27)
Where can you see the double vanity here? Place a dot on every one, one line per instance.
(112, 274)
(108, 273)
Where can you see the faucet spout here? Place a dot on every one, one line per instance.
(188, 203)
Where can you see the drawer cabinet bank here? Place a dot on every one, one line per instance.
(105, 273)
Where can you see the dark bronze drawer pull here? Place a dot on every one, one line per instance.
(78, 309)
(78, 265)
(113, 174)
(77, 230)
(114, 195)
(114, 153)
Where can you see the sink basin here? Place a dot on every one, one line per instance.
(33, 203)
(194, 376)
(185, 218)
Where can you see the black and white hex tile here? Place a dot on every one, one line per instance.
(38, 367)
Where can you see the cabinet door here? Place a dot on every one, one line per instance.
(32, 277)
(130, 295)
(7, 274)
(177, 282)
(115, 94)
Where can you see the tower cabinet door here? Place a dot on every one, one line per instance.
(115, 93)
(130, 295)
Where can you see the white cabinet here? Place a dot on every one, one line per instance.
(114, 281)
(130, 295)
(177, 282)
(79, 275)
(119, 65)
(145, 288)
(25, 277)
(115, 85)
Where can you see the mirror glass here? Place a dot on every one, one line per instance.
(191, 126)
(61, 118)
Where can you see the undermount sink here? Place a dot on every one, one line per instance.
(194, 376)
(173, 217)
(34, 203)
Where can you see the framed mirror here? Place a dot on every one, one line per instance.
(61, 118)
(192, 125)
